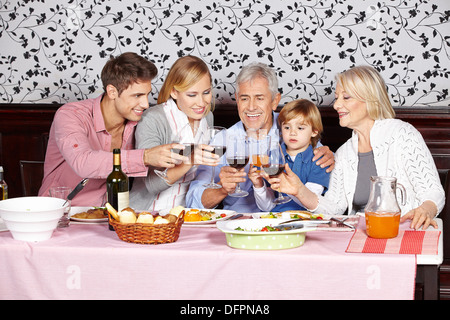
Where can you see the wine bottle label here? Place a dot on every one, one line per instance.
(123, 199)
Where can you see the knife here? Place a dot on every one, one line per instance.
(289, 226)
(77, 189)
(306, 221)
(298, 224)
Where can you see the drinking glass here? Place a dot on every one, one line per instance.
(259, 147)
(216, 137)
(184, 137)
(62, 193)
(274, 167)
(237, 157)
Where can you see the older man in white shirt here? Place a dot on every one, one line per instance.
(257, 98)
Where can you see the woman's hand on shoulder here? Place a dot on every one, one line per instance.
(324, 157)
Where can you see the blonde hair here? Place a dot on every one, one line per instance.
(184, 73)
(366, 84)
(308, 111)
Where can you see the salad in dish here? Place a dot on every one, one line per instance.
(264, 229)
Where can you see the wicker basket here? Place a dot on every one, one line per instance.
(148, 233)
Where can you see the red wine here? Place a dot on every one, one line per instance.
(237, 162)
(273, 170)
(188, 148)
(219, 150)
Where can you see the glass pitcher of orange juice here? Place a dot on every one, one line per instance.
(382, 211)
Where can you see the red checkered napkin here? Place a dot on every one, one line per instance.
(407, 242)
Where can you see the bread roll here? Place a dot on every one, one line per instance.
(161, 220)
(112, 211)
(176, 211)
(145, 217)
(127, 216)
(170, 217)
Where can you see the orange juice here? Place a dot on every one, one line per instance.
(382, 225)
(258, 160)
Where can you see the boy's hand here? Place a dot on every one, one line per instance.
(255, 177)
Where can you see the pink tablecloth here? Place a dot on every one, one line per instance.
(90, 262)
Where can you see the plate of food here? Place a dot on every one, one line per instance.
(206, 216)
(290, 214)
(88, 214)
(324, 221)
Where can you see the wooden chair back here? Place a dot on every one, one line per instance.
(31, 174)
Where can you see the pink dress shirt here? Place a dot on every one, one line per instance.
(80, 147)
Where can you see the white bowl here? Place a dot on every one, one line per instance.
(32, 218)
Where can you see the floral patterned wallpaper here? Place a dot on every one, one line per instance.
(53, 50)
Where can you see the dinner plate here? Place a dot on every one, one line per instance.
(216, 216)
(351, 220)
(75, 210)
(276, 215)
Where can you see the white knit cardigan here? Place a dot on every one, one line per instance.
(399, 151)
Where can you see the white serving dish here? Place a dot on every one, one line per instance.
(259, 240)
(32, 218)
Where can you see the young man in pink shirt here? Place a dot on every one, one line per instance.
(84, 133)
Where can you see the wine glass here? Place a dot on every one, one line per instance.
(237, 157)
(274, 167)
(216, 137)
(184, 136)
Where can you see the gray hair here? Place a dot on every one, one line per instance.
(258, 70)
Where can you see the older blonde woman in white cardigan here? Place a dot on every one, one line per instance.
(380, 145)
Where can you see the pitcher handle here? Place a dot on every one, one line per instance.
(402, 192)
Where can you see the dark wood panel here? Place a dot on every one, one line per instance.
(24, 134)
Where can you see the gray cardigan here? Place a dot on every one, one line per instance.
(153, 130)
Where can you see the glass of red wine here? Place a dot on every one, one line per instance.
(216, 137)
(186, 137)
(274, 167)
(237, 157)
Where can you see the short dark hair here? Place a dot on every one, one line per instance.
(126, 69)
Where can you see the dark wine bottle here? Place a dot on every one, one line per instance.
(117, 185)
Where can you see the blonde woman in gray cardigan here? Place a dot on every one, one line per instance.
(184, 98)
(379, 146)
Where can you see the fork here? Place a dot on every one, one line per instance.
(342, 223)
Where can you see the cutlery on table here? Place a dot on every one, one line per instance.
(342, 222)
(77, 189)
